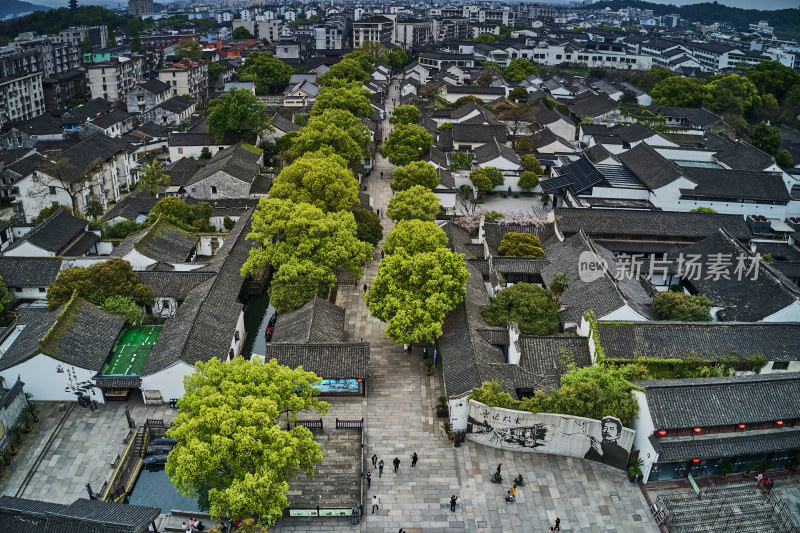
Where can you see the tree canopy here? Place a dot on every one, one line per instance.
(267, 71)
(766, 138)
(534, 309)
(528, 180)
(304, 245)
(397, 58)
(487, 178)
(731, 93)
(417, 202)
(519, 69)
(337, 128)
(368, 226)
(188, 48)
(414, 173)
(516, 244)
(404, 114)
(679, 92)
(240, 32)
(320, 179)
(349, 70)
(414, 293)
(406, 143)
(238, 110)
(195, 217)
(50, 210)
(670, 305)
(531, 163)
(377, 51)
(230, 439)
(771, 77)
(653, 77)
(98, 282)
(415, 237)
(6, 298)
(350, 97)
(153, 176)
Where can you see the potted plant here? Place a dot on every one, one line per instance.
(428, 367)
(749, 468)
(441, 407)
(726, 468)
(26, 420)
(16, 430)
(764, 464)
(635, 465)
(6, 453)
(33, 411)
(448, 428)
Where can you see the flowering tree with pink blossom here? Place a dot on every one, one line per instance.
(520, 218)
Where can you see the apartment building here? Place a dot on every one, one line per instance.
(57, 57)
(261, 29)
(188, 76)
(413, 33)
(379, 29)
(140, 7)
(96, 35)
(330, 35)
(21, 92)
(450, 29)
(61, 89)
(115, 78)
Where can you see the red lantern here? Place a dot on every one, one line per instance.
(779, 423)
(698, 430)
(741, 426)
(662, 432)
(695, 460)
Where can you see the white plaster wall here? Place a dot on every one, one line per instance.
(618, 192)
(459, 413)
(790, 313)
(42, 379)
(160, 310)
(105, 247)
(168, 381)
(643, 425)
(794, 366)
(27, 249)
(237, 345)
(9, 415)
(30, 293)
(563, 129)
(623, 314)
(138, 261)
(204, 244)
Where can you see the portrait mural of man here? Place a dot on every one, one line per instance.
(608, 451)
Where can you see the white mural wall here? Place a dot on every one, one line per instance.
(605, 441)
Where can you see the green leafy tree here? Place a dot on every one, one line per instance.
(6, 298)
(784, 159)
(364, 59)
(766, 138)
(98, 282)
(491, 393)
(519, 69)
(136, 43)
(703, 210)
(121, 229)
(653, 77)
(51, 210)
(228, 223)
(205, 153)
(112, 39)
(336, 128)
(592, 392)
(516, 244)
(269, 73)
(682, 307)
(679, 92)
(404, 114)
(376, 50)
(415, 237)
(299, 240)
(172, 208)
(487, 178)
(153, 176)
(348, 70)
(528, 180)
(414, 293)
(215, 70)
(445, 126)
(406, 143)
(188, 48)
(486, 38)
(628, 97)
(368, 226)
(60, 172)
(238, 110)
(559, 284)
(534, 309)
(416, 202)
(125, 306)
(93, 209)
(731, 93)
(86, 47)
(517, 94)
(414, 173)
(230, 440)
(240, 32)
(397, 58)
(771, 77)
(352, 98)
(323, 181)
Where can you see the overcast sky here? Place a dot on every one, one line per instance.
(744, 4)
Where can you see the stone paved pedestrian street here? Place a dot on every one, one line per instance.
(400, 419)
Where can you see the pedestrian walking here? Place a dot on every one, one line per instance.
(759, 477)
(558, 524)
(396, 464)
(769, 485)
(184, 527)
(374, 462)
(510, 497)
(453, 499)
(381, 254)
(375, 503)
(514, 490)
(369, 479)
(365, 287)
(380, 468)
(414, 459)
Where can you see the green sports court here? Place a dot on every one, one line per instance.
(132, 350)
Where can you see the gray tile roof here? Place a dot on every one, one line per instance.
(658, 225)
(653, 169)
(78, 334)
(579, 176)
(478, 133)
(234, 161)
(155, 86)
(327, 360)
(593, 106)
(26, 166)
(109, 119)
(743, 156)
(736, 184)
(317, 321)
(55, 233)
(745, 300)
(174, 284)
(726, 445)
(493, 150)
(702, 402)
(29, 271)
(86, 152)
(711, 340)
(82, 245)
(20, 515)
(702, 118)
(163, 241)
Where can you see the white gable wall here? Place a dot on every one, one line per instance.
(643, 425)
(42, 379)
(168, 381)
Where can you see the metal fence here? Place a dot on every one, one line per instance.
(349, 424)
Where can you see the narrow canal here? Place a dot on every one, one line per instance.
(256, 319)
